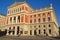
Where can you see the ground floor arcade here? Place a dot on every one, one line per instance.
(30, 30)
(26, 31)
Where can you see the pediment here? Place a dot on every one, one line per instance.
(15, 4)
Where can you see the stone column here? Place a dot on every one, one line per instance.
(12, 30)
(41, 18)
(41, 31)
(9, 20)
(15, 30)
(20, 18)
(47, 30)
(7, 32)
(37, 31)
(33, 32)
(12, 20)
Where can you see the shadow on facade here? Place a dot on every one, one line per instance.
(3, 33)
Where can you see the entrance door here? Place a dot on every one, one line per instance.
(30, 32)
(35, 33)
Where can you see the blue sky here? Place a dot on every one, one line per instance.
(35, 4)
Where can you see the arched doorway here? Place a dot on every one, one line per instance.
(17, 30)
(39, 31)
(9, 30)
(35, 33)
(30, 32)
(13, 30)
(5, 31)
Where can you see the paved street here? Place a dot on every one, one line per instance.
(27, 38)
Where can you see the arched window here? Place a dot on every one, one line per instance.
(44, 31)
(49, 25)
(39, 31)
(43, 25)
(49, 31)
(39, 26)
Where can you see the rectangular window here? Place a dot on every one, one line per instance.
(43, 19)
(14, 19)
(10, 19)
(16, 10)
(11, 11)
(18, 19)
(38, 14)
(30, 21)
(34, 15)
(30, 16)
(48, 18)
(34, 20)
(39, 20)
(34, 26)
(20, 9)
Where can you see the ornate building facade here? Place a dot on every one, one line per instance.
(22, 20)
